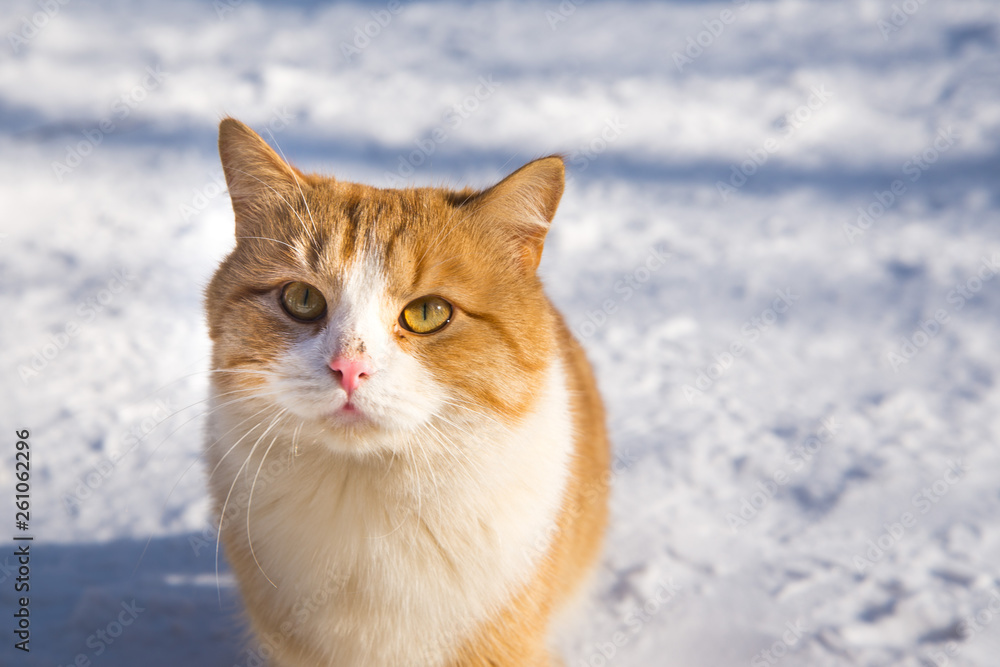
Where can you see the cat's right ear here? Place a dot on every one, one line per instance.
(522, 206)
(259, 181)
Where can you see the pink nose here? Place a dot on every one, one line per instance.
(351, 372)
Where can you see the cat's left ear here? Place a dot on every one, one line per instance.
(259, 180)
(523, 205)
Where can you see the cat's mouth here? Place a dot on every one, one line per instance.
(349, 414)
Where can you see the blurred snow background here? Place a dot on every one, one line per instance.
(803, 398)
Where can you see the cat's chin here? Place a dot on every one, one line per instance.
(354, 436)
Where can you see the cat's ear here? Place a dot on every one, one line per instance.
(257, 178)
(523, 205)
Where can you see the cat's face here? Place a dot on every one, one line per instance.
(366, 316)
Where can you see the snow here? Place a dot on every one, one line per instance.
(841, 381)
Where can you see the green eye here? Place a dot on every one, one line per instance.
(425, 315)
(303, 301)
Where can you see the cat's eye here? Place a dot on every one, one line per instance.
(425, 315)
(303, 301)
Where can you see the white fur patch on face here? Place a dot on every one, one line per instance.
(399, 395)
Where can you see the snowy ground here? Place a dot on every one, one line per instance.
(805, 408)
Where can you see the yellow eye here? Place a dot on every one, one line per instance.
(425, 315)
(303, 301)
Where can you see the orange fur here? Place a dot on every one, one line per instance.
(494, 363)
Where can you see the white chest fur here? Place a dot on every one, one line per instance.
(390, 561)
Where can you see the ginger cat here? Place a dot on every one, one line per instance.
(407, 448)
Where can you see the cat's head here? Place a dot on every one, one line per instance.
(366, 315)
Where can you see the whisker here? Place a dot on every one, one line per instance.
(174, 381)
(472, 409)
(295, 438)
(198, 459)
(235, 444)
(250, 504)
(255, 371)
(225, 504)
(430, 469)
(454, 453)
(285, 201)
(266, 238)
(420, 495)
(297, 184)
(249, 397)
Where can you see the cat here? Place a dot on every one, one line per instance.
(407, 451)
